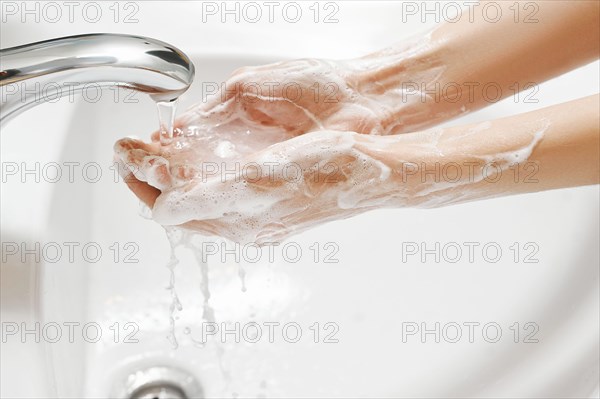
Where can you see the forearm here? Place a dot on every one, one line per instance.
(552, 148)
(466, 65)
(533, 44)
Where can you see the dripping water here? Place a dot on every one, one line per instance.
(208, 313)
(175, 303)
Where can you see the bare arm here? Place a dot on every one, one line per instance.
(466, 65)
(555, 147)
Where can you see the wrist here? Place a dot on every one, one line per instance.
(426, 169)
(400, 161)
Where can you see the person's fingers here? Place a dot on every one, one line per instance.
(133, 150)
(144, 162)
(230, 91)
(143, 190)
(244, 82)
(356, 118)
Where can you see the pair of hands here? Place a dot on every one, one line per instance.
(284, 147)
(293, 144)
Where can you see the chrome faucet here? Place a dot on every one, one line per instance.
(43, 71)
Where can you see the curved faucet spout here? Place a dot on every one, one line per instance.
(44, 71)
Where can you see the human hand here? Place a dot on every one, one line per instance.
(273, 193)
(293, 97)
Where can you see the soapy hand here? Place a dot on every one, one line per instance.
(263, 196)
(297, 97)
